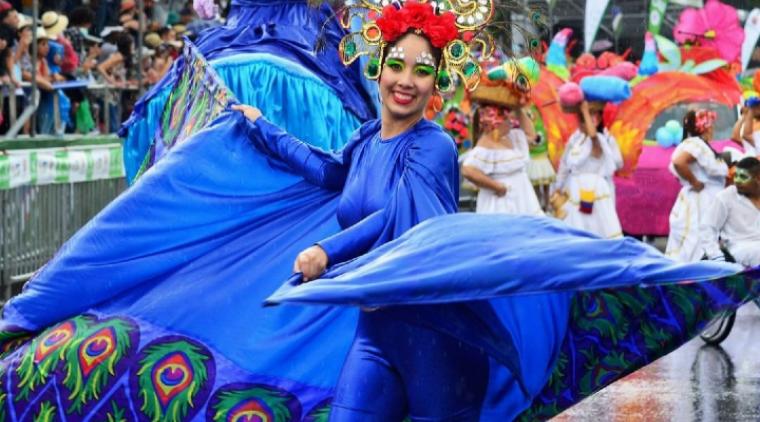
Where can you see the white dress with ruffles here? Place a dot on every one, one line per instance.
(684, 243)
(506, 166)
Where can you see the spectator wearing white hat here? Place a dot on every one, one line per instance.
(54, 24)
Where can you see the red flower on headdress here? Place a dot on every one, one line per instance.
(439, 29)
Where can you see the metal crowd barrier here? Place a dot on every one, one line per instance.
(100, 90)
(36, 219)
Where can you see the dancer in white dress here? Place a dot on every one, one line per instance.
(702, 174)
(584, 193)
(498, 163)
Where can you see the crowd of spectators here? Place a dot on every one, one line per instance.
(86, 58)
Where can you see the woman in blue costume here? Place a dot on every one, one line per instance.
(394, 174)
(152, 311)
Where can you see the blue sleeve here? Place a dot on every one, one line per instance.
(324, 169)
(429, 187)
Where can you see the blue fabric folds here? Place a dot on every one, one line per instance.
(194, 246)
(211, 231)
(329, 97)
(493, 256)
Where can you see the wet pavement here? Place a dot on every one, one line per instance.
(694, 383)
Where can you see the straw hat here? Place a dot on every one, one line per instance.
(54, 23)
(179, 29)
(42, 34)
(24, 21)
(152, 40)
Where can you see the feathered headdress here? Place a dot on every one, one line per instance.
(457, 27)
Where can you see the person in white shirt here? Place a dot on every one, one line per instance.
(498, 163)
(734, 217)
(744, 132)
(584, 191)
(702, 173)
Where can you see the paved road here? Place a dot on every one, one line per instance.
(694, 383)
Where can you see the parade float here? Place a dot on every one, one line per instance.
(699, 67)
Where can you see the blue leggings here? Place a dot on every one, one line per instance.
(395, 369)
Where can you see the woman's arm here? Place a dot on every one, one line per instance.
(427, 188)
(105, 67)
(748, 128)
(481, 180)
(736, 132)
(681, 165)
(590, 130)
(313, 164)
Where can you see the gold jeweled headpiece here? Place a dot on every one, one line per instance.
(454, 26)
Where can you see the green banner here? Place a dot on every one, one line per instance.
(60, 165)
(657, 10)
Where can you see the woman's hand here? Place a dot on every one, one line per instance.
(500, 190)
(252, 113)
(697, 186)
(311, 262)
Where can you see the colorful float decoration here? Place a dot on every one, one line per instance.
(700, 70)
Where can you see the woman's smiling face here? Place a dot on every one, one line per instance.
(407, 80)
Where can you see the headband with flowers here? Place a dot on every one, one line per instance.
(454, 26)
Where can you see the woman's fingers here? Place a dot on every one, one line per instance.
(311, 263)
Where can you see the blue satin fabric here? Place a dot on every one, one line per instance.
(211, 230)
(194, 246)
(286, 30)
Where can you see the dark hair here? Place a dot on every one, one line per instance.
(124, 43)
(750, 164)
(690, 129)
(163, 31)
(476, 126)
(81, 16)
(4, 14)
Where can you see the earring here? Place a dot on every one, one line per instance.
(437, 101)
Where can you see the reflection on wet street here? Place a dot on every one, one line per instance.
(694, 383)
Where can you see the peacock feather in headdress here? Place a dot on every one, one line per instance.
(172, 373)
(255, 403)
(91, 361)
(478, 24)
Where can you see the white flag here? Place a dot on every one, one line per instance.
(751, 35)
(594, 12)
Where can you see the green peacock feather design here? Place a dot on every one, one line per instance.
(252, 403)
(12, 340)
(116, 414)
(92, 358)
(170, 376)
(46, 413)
(44, 353)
